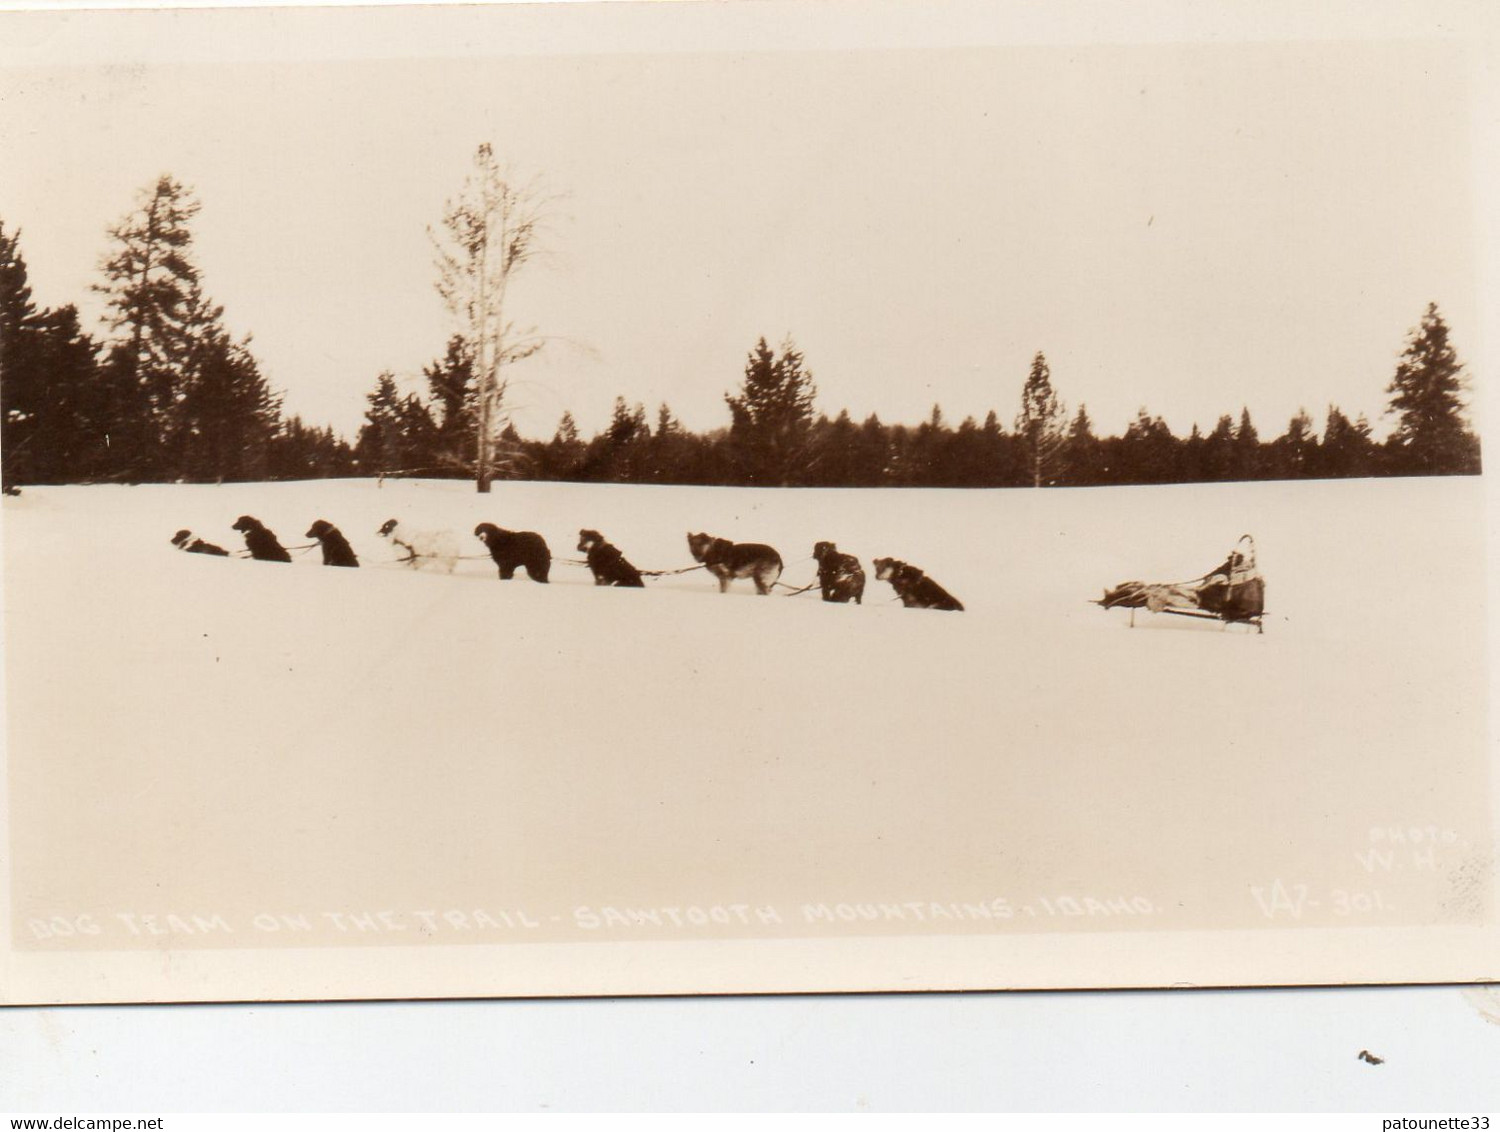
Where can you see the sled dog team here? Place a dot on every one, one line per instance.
(841, 578)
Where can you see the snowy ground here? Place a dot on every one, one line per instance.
(200, 736)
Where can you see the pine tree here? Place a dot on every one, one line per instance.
(899, 471)
(1191, 457)
(567, 429)
(666, 423)
(1003, 461)
(75, 423)
(378, 446)
(226, 414)
(671, 450)
(620, 453)
(927, 453)
(418, 438)
(53, 416)
(627, 424)
(1218, 451)
(872, 454)
(1039, 426)
(1347, 449)
(772, 416)
(1148, 451)
(155, 307)
(22, 382)
(1431, 437)
(835, 446)
(1294, 454)
(1246, 462)
(964, 462)
(17, 311)
(188, 402)
(450, 386)
(1082, 455)
(563, 455)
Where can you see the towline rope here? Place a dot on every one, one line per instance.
(795, 592)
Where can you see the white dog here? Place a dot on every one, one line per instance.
(436, 549)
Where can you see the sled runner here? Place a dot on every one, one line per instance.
(1233, 591)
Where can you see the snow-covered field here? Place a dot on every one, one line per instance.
(199, 736)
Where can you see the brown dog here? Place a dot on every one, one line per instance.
(260, 541)
(730, 560)
(840, 576)
(609, 566)
(336, 548)
(915, 589)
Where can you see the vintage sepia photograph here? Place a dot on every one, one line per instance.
(702, 499)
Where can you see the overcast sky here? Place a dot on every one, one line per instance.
(1189, 228)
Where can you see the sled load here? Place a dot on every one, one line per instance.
(1233, 591)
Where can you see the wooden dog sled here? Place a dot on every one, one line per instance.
(1233, 592)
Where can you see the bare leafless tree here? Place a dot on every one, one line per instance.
(490, 231)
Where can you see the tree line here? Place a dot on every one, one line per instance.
(166, 393)
(776, 438)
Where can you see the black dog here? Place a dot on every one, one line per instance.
(186, 540)
(730, 560)
(511, 549)
(608, 564)
(260, 541)
(839, 575)
(915, 589)
(336, 548)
